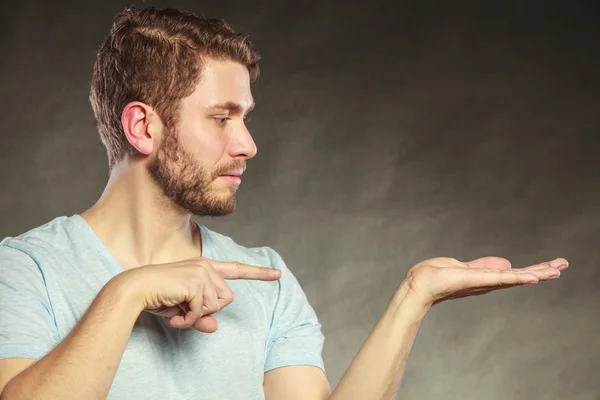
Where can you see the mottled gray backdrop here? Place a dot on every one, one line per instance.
(388, 133)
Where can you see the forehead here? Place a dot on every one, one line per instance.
(222, 82)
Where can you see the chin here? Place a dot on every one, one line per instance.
(214, 208)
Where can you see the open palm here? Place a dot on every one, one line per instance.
(439, 279)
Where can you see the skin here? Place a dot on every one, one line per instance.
(144, 219)
(144, 214)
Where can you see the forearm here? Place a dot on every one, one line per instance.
(376, 371)
(83, 365)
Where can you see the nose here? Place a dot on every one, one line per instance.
(242, 144)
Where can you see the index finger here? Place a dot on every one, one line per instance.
(238, 270)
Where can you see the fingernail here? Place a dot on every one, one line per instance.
(275, 272)
(557, 263)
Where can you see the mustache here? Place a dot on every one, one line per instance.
(231, 167)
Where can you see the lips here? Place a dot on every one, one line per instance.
(237, 174)
(233, 177)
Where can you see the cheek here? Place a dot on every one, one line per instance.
(204, 140)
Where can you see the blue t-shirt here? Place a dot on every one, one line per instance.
(50, 275)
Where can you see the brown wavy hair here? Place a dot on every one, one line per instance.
(155, 56)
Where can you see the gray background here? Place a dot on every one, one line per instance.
(388, 133)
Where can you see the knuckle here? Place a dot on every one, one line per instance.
(212, 309)
(201, 273)
(200, 262)
(228, 297)
(199, 276)
(195, 261)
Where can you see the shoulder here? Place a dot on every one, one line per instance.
(53, 234)
(224, 248)
(21, 255)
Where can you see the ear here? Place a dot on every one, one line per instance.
(142, 126)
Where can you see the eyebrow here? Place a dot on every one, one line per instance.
(232, 107)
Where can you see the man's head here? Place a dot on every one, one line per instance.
(172, 90)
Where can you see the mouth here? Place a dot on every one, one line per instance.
(234, 177)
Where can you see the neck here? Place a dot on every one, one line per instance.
(138, 224)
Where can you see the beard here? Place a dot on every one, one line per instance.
(187, 183)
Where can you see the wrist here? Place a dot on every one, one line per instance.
(125, 291)
(408, 304)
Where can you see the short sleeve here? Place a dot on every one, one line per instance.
(295, 337)
(27, 326)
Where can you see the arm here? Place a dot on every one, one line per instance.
(83, 365)
(294, 366)
(376, 371)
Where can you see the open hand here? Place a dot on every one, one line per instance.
(439, 279)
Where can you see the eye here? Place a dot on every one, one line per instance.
(222, 120)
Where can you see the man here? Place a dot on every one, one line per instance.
(133, 300)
